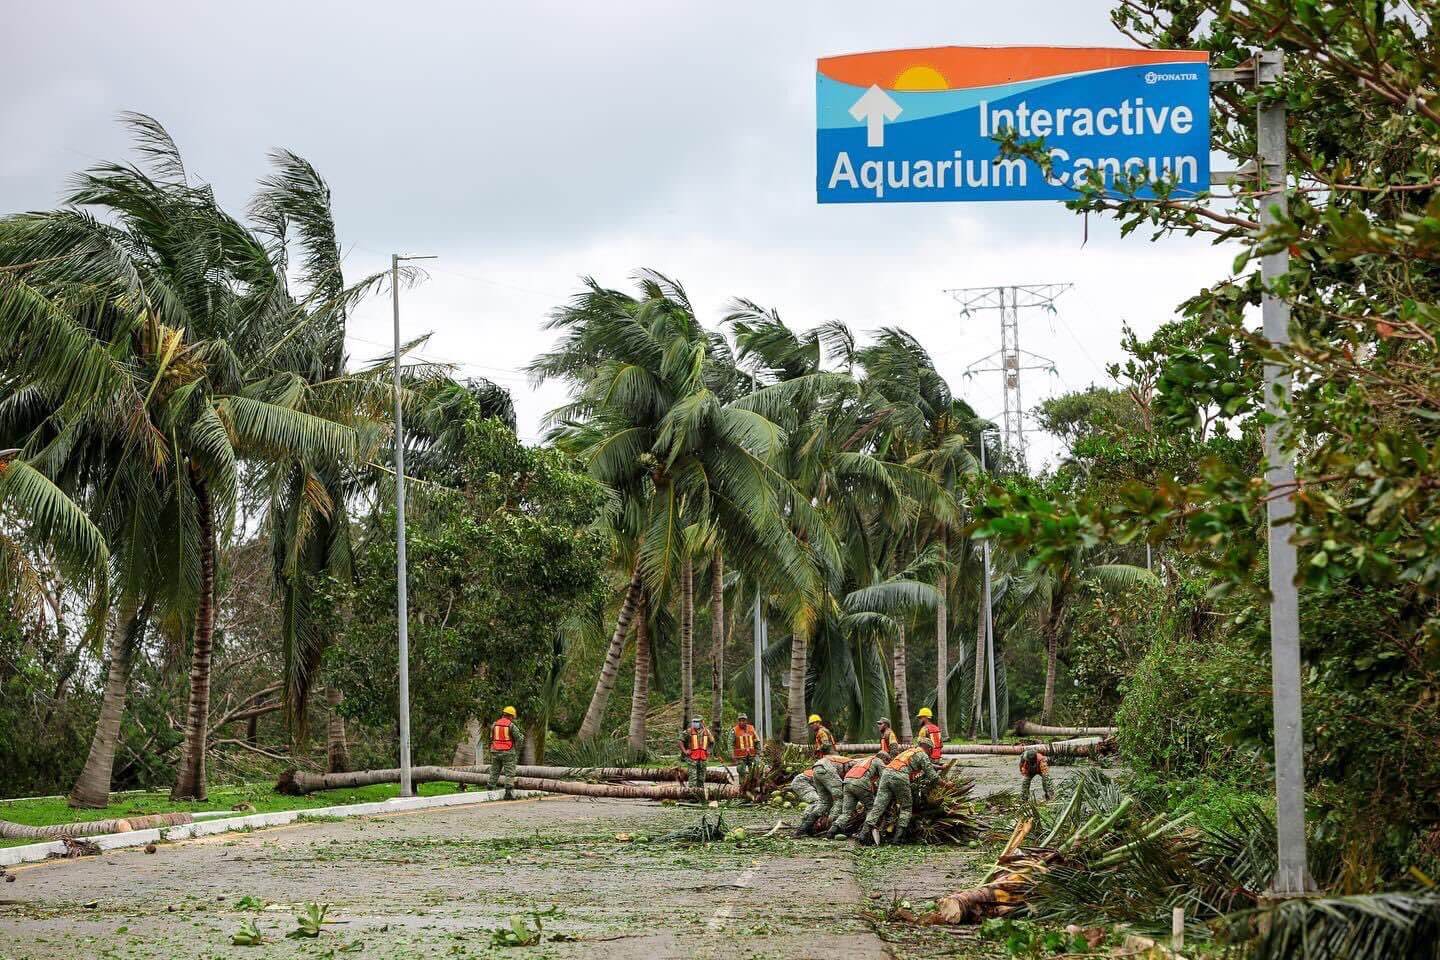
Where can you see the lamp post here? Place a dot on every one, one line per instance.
(402, 601)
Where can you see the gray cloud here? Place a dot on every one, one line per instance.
(530, 143)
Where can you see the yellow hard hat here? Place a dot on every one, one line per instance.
(925, 712)
(508, 711)
(814, 718)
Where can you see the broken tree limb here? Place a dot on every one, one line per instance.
(301, 782)
(1025, 728)
(1084, 747)
(90, 828)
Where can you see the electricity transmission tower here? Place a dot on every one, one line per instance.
(1010, 300)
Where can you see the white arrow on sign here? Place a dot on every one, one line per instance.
(875, 106)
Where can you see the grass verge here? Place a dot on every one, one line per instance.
(261, 797)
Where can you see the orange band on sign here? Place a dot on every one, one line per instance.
(957, 68)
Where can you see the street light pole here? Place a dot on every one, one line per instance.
(402, 600)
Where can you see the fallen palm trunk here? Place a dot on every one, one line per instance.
(1085, 747)
(1027, 729)
(300, 782)
(91, 828)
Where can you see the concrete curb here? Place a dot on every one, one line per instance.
(30, 853)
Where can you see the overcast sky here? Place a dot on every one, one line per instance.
(528, 144)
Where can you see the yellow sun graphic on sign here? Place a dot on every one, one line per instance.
(921, 77)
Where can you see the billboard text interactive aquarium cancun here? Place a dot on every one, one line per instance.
(919, 125)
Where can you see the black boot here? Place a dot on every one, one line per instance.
(509, 794)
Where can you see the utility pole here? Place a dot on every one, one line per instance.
(402, 600)
(1011, 359)
(989, 611)
(1292, 876)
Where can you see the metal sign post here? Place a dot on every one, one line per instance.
(1292, 876)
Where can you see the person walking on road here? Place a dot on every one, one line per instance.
(695, 745)
(858, 793)
(1034, 764)
(930, 739)
(911, 768)
(745, 744)
(821, 740)
(506, 741)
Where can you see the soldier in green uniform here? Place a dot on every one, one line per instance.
(859, 790)
(1034, 764)
(889, 742)
(803, 786)
(695, 745)
(745, 744)
(911, 766)
(828, 772)
(506, 742)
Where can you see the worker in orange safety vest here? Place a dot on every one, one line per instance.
(506, 741)
(745, 744)
(695, 746)
(930, 739)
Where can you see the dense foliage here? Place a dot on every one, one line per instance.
(496, 564)
(1365, 417)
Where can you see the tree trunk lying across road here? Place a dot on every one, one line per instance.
(90, 828)
(300, 782)
(1027, 729)
(1089, 746)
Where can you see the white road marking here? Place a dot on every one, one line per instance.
(726, 911)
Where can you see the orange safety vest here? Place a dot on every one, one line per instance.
(858, 770)
(745, 738)
(889, 742)
(822, 737)
(698, 744)
(936, 744)
(500, 740)
(902, 762)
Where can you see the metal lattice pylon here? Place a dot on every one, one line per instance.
(1010, 361)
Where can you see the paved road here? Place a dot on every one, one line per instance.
(435, 883)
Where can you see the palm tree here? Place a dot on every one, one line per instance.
(648, 417)
(930, 429)
(1042, 596)
(157, 361)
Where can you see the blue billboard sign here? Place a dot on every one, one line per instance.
(920, 125)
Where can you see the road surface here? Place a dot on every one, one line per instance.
(435, 883)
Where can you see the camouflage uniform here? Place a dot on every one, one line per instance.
(1034, 764)
(503, 762)
(697, 765)
(743, 765)
(858, 791)
(828, 788)
(895, 786)
(803, 786)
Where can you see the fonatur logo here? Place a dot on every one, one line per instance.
(1155, 76)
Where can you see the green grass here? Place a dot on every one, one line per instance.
(39, 813)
